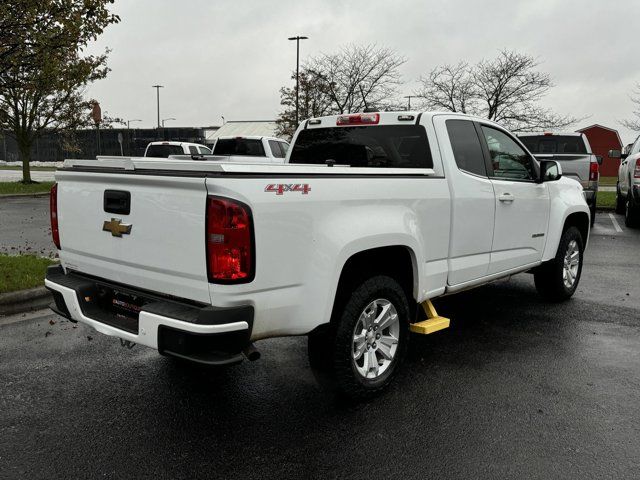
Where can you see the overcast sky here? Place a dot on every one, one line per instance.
(230, 57)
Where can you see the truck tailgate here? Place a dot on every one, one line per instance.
(573, 166)
(164, 250)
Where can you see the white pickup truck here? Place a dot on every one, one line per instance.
(251, 149)
(373, 215)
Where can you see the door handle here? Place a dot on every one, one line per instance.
(506, 197)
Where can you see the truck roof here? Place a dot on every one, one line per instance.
(549, 134)
(383, 118)
(250, 137)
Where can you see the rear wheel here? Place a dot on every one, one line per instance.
(631, 213)
(369, 341)
(557, 279)
(620, 200)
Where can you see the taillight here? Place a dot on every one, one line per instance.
(230, 253)
(53, 213)
(593, 172)
(359, 119)
(636, 171)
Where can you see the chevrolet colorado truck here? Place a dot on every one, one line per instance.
(372, 215)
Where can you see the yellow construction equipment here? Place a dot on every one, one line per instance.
(433, 323)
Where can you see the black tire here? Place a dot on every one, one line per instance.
(592, 210)
(549, 277)
(631, 213)
(343, 367)
(620, 200)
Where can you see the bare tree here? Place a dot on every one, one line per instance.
(634, 124)
(449, 87)
(350, 80)
(314, 102)
(506, 89)
(357, 77)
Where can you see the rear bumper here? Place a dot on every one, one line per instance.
(201, 333)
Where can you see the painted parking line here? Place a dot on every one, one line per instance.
(616, 225)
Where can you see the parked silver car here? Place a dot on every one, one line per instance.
(573, 152)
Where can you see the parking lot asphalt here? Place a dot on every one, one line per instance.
(25, 226)
(516, 388)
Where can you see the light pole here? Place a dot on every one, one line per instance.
(129, 134)
(134, 120)
(166, 120)
(158, 87)
(410, 97)
(297, 39)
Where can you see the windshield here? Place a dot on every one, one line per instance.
(391, 146)
(554, 144)
(163, 151)
(239, 146)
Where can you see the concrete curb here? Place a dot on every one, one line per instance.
(24, 300)
(18, 195)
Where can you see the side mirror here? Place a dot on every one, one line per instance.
(617, 154)
(550, 171)
(599, 159)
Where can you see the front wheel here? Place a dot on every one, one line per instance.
(557, 279)
(370, 338)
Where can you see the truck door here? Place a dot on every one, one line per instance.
(521, 204)
(472, 199)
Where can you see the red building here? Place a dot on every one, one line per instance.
(603, 139)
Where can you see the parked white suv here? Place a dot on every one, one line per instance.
(373, 215)
(165, 149)
(628, 185)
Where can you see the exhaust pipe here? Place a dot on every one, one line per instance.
(251, 352)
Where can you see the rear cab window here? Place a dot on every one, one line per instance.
(559, 144)
(373, 146)
(239, 146)
(163, 151)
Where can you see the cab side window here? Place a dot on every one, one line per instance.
(509, 160)
(193, 150)
(466, 146)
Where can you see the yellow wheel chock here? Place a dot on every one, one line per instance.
(433, 323)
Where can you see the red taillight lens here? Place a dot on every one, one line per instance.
(593, 172)
(229, 241)
(53, 213)
(636, 171)
(359, 119)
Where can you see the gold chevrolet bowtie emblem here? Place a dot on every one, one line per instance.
(116, 227)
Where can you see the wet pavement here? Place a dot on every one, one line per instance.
(516, 388)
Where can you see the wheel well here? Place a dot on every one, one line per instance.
(394, 261)
(580, 220)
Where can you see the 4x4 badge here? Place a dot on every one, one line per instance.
(116, 227)
(281, 188)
